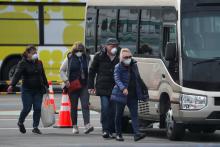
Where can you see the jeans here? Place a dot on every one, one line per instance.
(107, 114)
(133, 108)
(84, 99)
(31, 97)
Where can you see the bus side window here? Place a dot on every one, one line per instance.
(106, 25)
(90, 29)
(128, 28)
(150, 33)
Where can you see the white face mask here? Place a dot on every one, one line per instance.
(34, 56)
(127, 61)
(114, 51)
(79, 54)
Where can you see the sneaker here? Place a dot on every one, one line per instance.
(36, 131)
(139, 136)
(119, 138)
(75, 130)
(88, 128)
(105, 135)
(21, 128)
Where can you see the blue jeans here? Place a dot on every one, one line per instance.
(133, 108)
(84, 99)
(31, 97)
(107, 114)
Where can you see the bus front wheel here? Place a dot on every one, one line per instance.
(9, 69)
(174, 130)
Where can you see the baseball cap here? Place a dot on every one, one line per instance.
(111, 41)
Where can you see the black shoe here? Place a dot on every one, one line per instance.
(111, 136)
(36, 131)
(21, 128)
(139, 136)
(105, 135)
(119, 138)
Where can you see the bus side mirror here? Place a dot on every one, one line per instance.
(170, 51)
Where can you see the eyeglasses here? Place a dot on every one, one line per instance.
(78, 51)
(127, 57)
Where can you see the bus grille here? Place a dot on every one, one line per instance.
(143, 108)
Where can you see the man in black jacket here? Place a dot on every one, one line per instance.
(102, 68)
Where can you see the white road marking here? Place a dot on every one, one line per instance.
(43, 128)
(14, 119)
(18, 112)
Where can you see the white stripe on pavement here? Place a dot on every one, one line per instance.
(43, 128)
(18, 112)
(13, 119)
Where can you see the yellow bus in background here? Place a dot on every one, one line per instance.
(51, 25)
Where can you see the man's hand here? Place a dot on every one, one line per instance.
(10, 89)
(92, 91)
(125, 91)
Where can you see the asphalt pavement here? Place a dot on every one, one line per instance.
(10, 106)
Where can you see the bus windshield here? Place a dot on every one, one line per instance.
(201, 34)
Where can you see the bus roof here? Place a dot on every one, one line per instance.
(132, 3)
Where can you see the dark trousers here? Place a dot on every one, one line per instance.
(84, 99)
(31, 97)
(133, 108)
(107, 114)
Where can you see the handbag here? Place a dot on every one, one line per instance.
(74, 85)
(47, 112)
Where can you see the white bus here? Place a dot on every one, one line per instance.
(176, 45)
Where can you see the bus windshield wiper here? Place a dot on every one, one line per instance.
(207, 60)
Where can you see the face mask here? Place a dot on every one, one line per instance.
(79, 54)
(34, 56)
(114, 51)
(127, 61)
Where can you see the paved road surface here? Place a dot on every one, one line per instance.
(10, 106)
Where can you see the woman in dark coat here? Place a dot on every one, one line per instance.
(34, 85)
(127, 91)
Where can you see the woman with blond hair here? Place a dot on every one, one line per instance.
(127, 91)
(74, 73)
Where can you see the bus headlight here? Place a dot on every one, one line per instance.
(192, 102)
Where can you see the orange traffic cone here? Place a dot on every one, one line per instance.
(64, 114)
(51, 96)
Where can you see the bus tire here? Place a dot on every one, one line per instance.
(9, 69)
(174, 130)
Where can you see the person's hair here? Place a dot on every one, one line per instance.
(28, 49)
(78, 46)
(123, 50)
